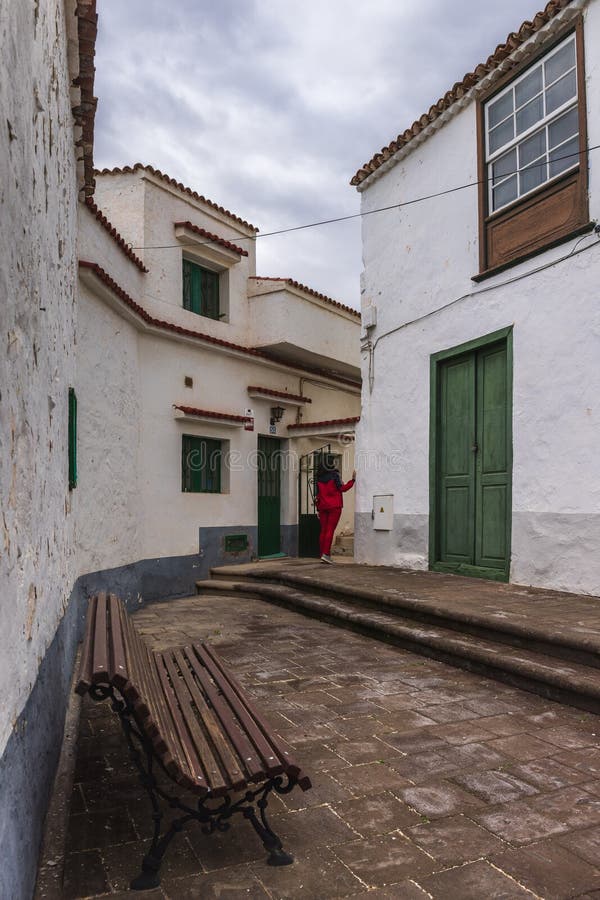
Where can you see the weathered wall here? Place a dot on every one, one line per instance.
(420, 258)
(37, 322)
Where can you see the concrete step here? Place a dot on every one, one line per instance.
(567, 681)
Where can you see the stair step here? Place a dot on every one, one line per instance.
(572, 648)
(565, 681)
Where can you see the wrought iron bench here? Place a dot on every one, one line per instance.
(185, 715)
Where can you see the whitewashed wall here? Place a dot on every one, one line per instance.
(418, 259)
(37, 323)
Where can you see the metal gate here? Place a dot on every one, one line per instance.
(308, 520)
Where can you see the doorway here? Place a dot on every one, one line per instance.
(471, 458)
(269, 496)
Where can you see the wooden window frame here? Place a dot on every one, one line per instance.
(196, 302)
(194, 480)
(555, 211)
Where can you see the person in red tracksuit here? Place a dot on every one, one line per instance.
(329, 503)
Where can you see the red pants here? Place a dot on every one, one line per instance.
(328, 519)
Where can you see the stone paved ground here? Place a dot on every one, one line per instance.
(428, 781)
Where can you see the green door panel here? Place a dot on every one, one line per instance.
(269, 496)
(457, 423)
(472, 436)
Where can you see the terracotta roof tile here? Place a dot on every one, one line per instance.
(269, 392)
(89, 202)
(118, 291)
(211, 414)
(458, 90)
(352, 420)
(214, 238)
(307, 290)
(136, 167)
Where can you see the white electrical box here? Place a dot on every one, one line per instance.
(369, 316)
(383, 512)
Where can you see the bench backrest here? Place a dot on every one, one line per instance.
(204, 730)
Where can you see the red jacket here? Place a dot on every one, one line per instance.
(329, 493)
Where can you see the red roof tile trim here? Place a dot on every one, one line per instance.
(211, 237)
(89, 202)
(307, 290)
(129, 170)
(188, 332)
(268, 392)
(209, 414)
(85, 113)
(514, 40)
(350, 421)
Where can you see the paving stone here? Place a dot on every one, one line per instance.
(84, 874)
(586, 760)
(88, 831)
(519, 823)
(418, 740)
(401, 720)
(370, 778)
(378, 814)
(549, 870)
(547, 774)
(324, 790)
(421, 767)
(439, 798)
(124, 862)
(316, 874)
(472, 882)
(240, 844)
(357, 752)
(505, 725)
(454, 840)
(467, 732)
(584, 844)
(569, 737)
(522, 747)
(236, 883)
(450, 712)
(405, 889)
(495, 787)
(574, 806)
(309, 828)
(385, 860)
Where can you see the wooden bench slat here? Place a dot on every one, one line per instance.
(249, 759)
(191, 770)
(290, 766)
(145, 706)
(237, 702)
(118, 665)
(100, 652)
(84, 681)
(213, 747)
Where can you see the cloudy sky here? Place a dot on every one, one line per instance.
(268, 107)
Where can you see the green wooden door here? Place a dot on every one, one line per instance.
(473, 463)
(269, 496)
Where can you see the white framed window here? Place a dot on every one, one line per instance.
(532, 127)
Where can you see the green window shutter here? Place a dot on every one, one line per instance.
(72, 439)
(200, 290)
(200, 465)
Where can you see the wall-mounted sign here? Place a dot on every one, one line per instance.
(272, 429)
(249, 423)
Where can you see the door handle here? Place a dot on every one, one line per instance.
(475, 448)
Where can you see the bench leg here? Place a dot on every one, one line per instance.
(277, 855)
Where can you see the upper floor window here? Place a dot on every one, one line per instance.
(532, 161)
(532, 127)
(201, 290)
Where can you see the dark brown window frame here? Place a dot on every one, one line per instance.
(558, 209)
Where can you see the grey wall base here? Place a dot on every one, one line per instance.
(406, 545)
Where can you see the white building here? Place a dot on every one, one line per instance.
(185, 361)
(480, 422)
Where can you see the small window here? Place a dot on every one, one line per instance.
(532, 127)
(201, 290)
(72, 439)
(201, 465)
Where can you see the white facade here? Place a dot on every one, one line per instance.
(134, 370)
(419, 261)
(37, 314)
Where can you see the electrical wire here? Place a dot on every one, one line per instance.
(370, 346)
(369, 212)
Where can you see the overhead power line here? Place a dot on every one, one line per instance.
(369, 212)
